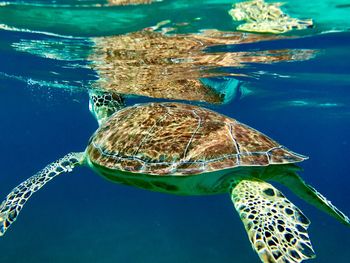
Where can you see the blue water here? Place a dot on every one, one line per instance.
(79, 217)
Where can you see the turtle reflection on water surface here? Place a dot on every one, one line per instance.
(148, 63)
(189, 150)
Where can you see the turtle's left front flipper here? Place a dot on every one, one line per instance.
(276, 228)
(15, 200)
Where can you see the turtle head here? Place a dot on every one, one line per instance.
(103, 104)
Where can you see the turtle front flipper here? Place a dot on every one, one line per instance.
(306, 192)
(276, 228)
(104, 104)
(15, 200)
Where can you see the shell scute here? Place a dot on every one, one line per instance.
(224, 163)
(167, 140)
(250, 140)
(254, 159)
(282, 155)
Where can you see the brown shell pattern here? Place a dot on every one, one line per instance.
(181, 139)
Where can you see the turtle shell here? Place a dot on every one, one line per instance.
(180, 139)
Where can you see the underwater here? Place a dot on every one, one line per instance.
(181, 130)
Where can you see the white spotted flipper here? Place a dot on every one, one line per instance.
(15, 200)
(276, 228)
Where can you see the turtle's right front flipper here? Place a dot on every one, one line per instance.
(276, 228)
(15, 200)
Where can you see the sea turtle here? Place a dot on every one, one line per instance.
(190, 150)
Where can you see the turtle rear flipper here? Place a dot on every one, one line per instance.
(306, 192)
(104, 104)
(15, 200)
(276, 228)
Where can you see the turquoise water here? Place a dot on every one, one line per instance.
(296, 91)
